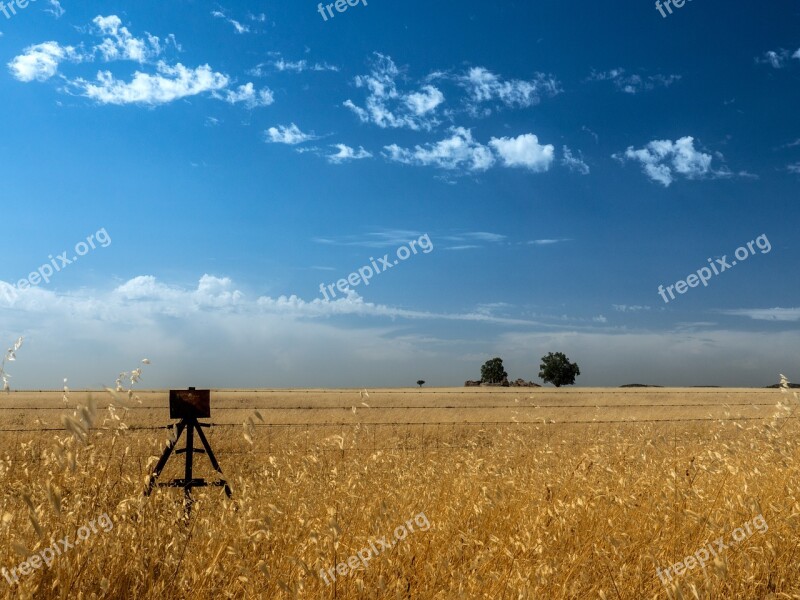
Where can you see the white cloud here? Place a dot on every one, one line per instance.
(122, 45)
(285, 65)
(455, 152)
(547, 242)
(633, 84)
(55, 9)
(524, 151)
(288, 135)
(766, 314)
(629, 308)
(484, 86)
(663, 160)
(573, 163)
(247, 94)
(167, 83)
(425, 101)
(387, 239)
(794, 168)
(40, 61)
(462, 151)
(238, 27)
(215, 335)
(776, 58)
(171, 83)
(144, 295)
(297, 66)
(475, 236)
(387, 107)
(348, 153)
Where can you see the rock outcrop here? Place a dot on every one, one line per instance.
(523, 383)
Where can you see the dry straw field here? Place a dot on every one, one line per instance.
(529, 493)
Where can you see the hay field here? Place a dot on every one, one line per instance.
(527, 493)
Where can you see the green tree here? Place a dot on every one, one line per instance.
(492, 371)
(557, 369)
(421, 382)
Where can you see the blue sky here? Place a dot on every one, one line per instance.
(564, 160)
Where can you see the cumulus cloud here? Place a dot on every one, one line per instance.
(247, 95)
(121, 44)
(346, 153)
(168, 84)
(484, 86)
(40, 61)
(664, 160)
(460, 150)
(146, 296)
(157, 81)
(633, 83)
(387, 107)
(524, 151)
(425, 101)
(288, 135)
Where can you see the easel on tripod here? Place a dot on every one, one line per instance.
(188, 406)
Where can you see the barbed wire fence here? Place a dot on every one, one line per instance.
(387, 436)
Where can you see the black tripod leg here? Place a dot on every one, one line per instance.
(163, 460)
(212, 458)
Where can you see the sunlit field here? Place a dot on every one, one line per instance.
(517, 493)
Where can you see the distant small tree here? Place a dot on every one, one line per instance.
(493, 372)
(557, 369)
(421, 382)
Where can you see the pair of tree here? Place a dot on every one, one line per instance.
(556, 368)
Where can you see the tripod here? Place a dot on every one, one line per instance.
(190, 425)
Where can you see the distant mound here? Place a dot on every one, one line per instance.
(777, 385)
(639, 385)
(504, 383)
(523, 383)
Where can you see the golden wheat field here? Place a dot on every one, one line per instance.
(407, 494)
